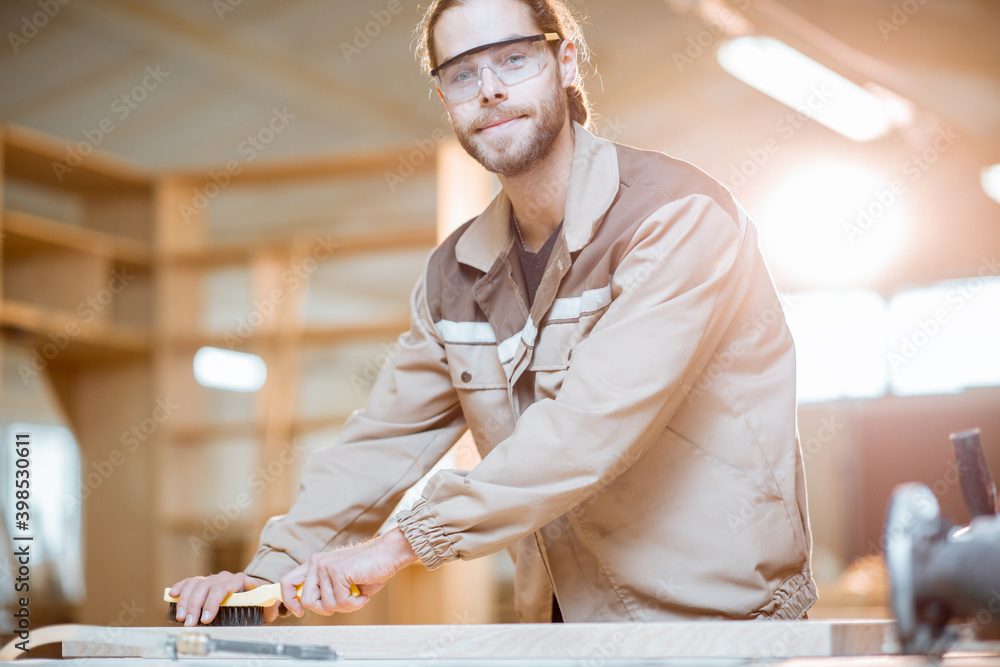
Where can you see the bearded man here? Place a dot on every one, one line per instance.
(608, 331)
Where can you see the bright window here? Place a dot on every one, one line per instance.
(839, 344)
(54, 518)
(946, 337)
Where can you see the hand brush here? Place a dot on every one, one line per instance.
(242, 609)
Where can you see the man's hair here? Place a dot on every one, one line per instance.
(548, 15)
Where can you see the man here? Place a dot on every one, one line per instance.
(609, 333)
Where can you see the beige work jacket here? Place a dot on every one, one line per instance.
(637, 425)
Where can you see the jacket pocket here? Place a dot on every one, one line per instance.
(554, 347)
(771, 492)
(551, 357)
(475, 366)
(481, 383)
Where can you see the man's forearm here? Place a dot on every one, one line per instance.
(398, 548)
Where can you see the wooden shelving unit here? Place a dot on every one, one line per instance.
(275, 418)
(124, 279)
(37, 234)
(219, 255)
(77, 290)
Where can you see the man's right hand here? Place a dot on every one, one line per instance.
(199, 597)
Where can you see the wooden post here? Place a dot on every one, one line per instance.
(464, 188)
(463, 590)
(278, 398)
(179, 227)
(3, 234)
(582, 643)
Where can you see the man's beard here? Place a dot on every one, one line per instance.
(513, 156)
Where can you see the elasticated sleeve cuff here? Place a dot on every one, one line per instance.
(429, 541)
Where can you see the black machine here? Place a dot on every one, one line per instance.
(940, 572)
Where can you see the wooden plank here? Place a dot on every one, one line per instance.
(194, 525)
(581, 641)
(41, 321)
(51, 233)
(36, 157)
(236, 253)
(233, 660)
(197, 433)
(364, 331)
(402, 239)
(312, 335)
(299, 169)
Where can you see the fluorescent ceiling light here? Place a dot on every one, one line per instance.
(990, 179)
(781, 72)
(226, 369)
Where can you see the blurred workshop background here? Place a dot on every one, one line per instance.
(214, 212)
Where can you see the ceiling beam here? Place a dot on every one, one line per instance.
(251, 62)
(64, 95)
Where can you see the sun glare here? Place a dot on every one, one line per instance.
(833, 224)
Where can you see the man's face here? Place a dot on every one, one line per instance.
(505, 128)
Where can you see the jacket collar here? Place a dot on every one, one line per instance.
(593, 184)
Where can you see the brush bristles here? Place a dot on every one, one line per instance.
(227, 617)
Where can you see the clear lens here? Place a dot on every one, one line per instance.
(511, 63)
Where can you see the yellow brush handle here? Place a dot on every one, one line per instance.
(262, 596)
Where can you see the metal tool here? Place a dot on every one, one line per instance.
(940, 572)
(978, 488)
(173, 643)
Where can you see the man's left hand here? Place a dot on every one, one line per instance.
(327, 575)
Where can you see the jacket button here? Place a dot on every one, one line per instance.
(466, 376)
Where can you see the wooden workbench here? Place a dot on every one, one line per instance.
(701, 644)
(951, 660)
(741, 640)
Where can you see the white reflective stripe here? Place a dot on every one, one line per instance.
(529, 332)
(562, 309)
(573, 307)
(508, 347)
(465, 332)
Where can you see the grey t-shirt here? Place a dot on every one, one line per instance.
(533, 263)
